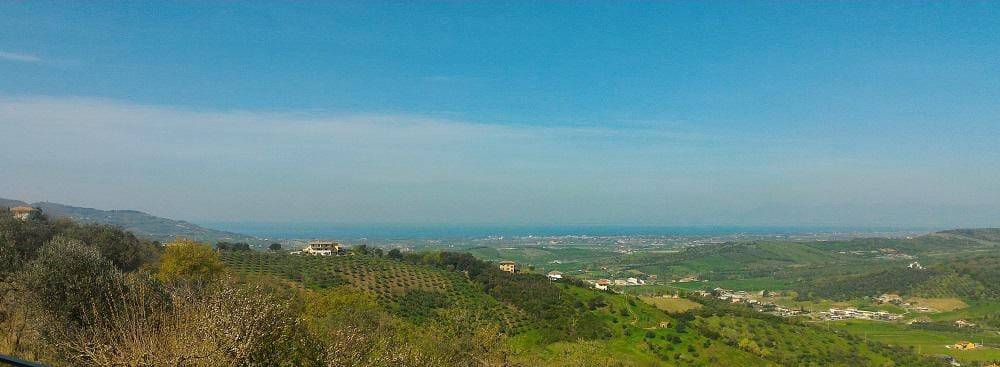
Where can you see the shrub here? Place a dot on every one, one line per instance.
(189, 261)
(66, 277)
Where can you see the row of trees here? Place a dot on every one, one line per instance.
(561, 316)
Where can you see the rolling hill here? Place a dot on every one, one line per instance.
(139, 223)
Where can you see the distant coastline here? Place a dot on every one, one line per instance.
(404, 231)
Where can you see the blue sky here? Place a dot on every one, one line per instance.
(679, 113)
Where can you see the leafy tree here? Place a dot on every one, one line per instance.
(395, 254)
(10, 258)
(274, 247)
(120, 247)
(188, 260)
(66, 277)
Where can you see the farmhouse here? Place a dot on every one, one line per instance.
(963, 323)
(889, 298)
(688, 279)
(602, 284)
(554, 275)
(508, 266)
(322, 248)
(25, 212)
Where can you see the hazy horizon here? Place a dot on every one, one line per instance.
(656, 114)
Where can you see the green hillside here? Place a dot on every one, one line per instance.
(409, 290)
(565, 323)
(985, 234)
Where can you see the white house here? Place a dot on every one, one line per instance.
(322, 248)
(554, 275)
(635, 281)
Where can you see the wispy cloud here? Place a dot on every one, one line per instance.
(20, 57)
(364, 167)
(370, 167)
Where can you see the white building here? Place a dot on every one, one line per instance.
(554, 275)
(508, 266)
(322, 248)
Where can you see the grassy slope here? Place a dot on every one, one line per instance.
(781, 265)
(672, 305)
(925, 341)
(638, 340)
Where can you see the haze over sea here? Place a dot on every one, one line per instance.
(302, 230)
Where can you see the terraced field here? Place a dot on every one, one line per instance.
(398, 285)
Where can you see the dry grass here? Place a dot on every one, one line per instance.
(672, 305)
(939, 304)
(221, 326)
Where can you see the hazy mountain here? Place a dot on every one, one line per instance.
(137, 222)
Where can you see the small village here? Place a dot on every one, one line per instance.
(853, 313)
(832, 314)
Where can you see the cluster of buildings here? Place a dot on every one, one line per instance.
(603, 284)
(730, 295)
(853, 313)
(750, 300)
(897, 300)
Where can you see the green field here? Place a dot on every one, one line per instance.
(924, 341)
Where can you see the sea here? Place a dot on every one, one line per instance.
(300, 230)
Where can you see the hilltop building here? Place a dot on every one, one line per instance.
(554, 275)
(322, 248)
(508, 266)
(25, 212)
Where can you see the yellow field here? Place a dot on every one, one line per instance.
(672, 304)
(939, 304)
